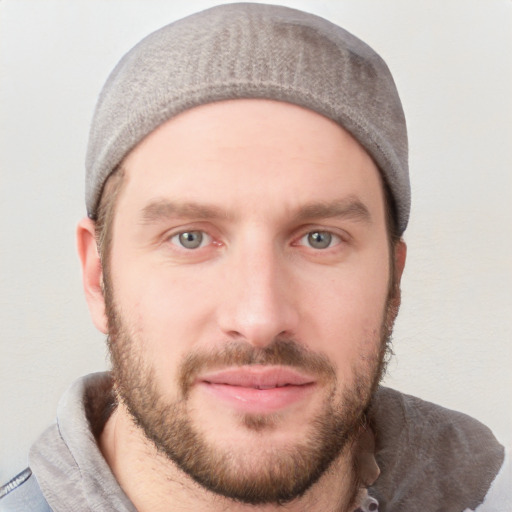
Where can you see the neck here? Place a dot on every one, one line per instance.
(155, 484)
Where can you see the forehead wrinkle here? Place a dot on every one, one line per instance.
(162, 209)
(350, 208)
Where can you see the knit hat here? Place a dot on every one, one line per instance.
(247, 50)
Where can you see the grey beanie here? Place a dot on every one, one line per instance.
(250, 50)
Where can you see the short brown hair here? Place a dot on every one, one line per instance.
(106, 210)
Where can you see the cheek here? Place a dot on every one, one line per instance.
(346, 315)
(167, 316)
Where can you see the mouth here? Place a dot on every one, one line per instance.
(257, 389)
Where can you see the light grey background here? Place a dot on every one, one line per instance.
(452, 63)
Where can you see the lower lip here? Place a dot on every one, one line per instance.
(258, 401)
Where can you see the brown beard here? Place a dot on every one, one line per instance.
(286, 473)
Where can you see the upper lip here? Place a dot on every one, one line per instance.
(257, 377)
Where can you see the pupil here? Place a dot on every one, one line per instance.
(191, 240)
(319, 239)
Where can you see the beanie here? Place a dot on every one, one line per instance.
(248, 50)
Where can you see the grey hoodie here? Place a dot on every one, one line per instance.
(430, 459)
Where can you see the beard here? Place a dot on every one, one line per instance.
(272, 474)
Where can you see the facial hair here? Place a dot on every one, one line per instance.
(279, 475)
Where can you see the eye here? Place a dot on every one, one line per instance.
(320, 239)
(191, 239)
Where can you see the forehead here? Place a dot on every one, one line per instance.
(248, 154)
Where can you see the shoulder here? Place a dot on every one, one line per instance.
(431, 457)
(499, 497)
(22, 493)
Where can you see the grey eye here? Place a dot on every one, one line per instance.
(190, 239)
(319, 239)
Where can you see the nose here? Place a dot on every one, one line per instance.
(258, 299)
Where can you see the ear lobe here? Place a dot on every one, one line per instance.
(92, 272)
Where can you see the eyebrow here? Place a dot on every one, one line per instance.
(162, 209)
(350, 208)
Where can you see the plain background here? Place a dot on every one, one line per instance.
(452, 63)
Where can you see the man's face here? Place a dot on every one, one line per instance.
(248, 293)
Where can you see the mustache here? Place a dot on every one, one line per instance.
(282, 352)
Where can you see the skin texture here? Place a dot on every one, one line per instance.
(291, 274)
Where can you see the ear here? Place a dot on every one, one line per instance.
(399, 265)
(400, 257)
(92, 272)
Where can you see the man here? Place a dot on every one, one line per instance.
(247, 190)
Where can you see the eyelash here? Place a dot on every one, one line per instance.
(331, 237)
(306, 239)
(175, 239)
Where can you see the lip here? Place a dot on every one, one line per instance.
(257, 389)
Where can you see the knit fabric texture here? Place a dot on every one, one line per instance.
(251, 51)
